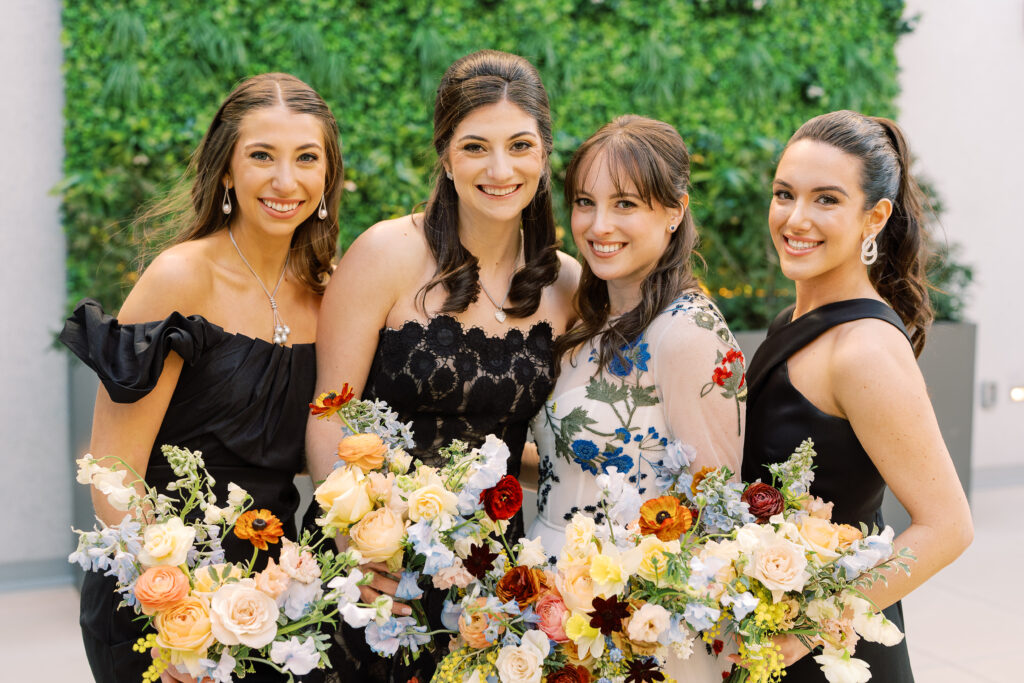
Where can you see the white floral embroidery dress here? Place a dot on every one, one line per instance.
(682, 379)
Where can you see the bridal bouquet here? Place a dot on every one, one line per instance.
(435, 524)
(212, 618)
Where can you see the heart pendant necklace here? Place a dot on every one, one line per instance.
(499, 309)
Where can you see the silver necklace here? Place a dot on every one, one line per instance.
(499, 309)
(281, 331)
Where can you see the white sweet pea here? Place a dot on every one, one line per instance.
(493, 466)
(839, 667)
(111, 484)
(872, 625)
(88, 467)
(345, 589)
(236, 495)
(357, 617)
(531, 553)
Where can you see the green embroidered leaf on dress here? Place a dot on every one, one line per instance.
(600, 389)
(644, 396)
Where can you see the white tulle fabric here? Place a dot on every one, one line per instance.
(672, 369)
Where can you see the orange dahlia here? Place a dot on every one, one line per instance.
(259, 527)
(330, 402)
(665, 518)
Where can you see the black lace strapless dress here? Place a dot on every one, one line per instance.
(779, 417)
(241, 401)
(451, 383)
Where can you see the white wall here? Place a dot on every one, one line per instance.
(962, 108)
(35, 486)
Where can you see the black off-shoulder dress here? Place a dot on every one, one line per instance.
(779, 417)
(241, 401)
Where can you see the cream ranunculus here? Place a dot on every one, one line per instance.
(166, 543)
(821, 537)
(242, 614)
(780, 565)
(523, 663)
(654, 555)
(184, 629)
(576, 586)
(429, 502)
(647, 623)
(298, 563)
(344, 497)
(378, 535)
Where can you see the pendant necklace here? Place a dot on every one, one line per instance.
(499, 309)
(281, 331)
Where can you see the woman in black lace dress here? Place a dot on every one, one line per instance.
(840, 366)
(449, 315)
(232, 379)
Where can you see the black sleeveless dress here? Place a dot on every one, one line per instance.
(451, 383)
(779, 417)
(241, 401)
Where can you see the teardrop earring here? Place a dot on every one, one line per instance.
(323, 208)
(226, 206)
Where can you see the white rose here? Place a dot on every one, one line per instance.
(781, 566)
(431, 501)
(166, 543)
(648, 623)
(839, 667)
(242, 614)
(522, 664)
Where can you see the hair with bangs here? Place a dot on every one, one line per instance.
(650, 157)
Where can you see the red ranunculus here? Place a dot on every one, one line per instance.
(764, 501)
(503, 500)
(570, 673)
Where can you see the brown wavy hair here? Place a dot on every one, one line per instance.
(652, 157)
(193, 209)
(474, 81)
(899, 274)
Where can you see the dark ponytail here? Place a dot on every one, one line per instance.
(899, 273)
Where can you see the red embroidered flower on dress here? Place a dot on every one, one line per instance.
(720, 375)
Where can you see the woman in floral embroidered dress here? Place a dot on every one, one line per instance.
(651, 360)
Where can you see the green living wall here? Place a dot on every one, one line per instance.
(736, 77)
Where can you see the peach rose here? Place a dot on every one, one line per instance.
(816, 507)
(576, 586)
(780, 565)
(273, 580)
(184, 629)
(298, 563)
(455, 575)
(378, 536)
(209, 578)
(472, 626)
(344, 496)
(365, 451)
(647, 623)
(166, 543)
(160, 587)
(848, 535)
(241, 614)
(820, 536)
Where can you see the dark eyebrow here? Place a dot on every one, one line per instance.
(823, 188)
(627, 195)
(523, 133)
(267, 145)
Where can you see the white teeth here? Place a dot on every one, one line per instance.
(499, 191)
(278, 206)
(801, 245)
(607, 248)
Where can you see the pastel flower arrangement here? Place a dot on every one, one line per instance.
(211, 618)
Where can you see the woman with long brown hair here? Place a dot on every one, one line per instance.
(650, 359)
(449, 315)
(213, 348)
(840, 365)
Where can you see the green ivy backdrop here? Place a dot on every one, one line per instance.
(736, 77)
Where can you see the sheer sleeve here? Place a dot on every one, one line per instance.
(701, 382)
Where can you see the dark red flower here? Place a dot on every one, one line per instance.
(608, 614)
(717, 646)
(480, 560)
(503, 500)
(644, 670)
(570, 673)
(764, 501)
(720, 375)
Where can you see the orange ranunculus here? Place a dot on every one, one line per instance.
(523, 584)
(665, 518)
(330, 402)
(160, 587)
(472, 626)
(259, 527)
(365, 451)
(699, 477)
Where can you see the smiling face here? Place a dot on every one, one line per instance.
(817, 217)
(496, 160)
(619, 235)
(277, 170)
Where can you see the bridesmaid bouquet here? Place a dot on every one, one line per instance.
(432, 523)
(209, 617)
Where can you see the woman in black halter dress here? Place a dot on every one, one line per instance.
(226, 380)
(839, 366)
(449, 315)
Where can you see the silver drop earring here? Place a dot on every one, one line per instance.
(226, 206)
(868, 250)
(449, 174)
(323, 208)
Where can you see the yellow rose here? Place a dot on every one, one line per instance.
(204, 582)
(378, 535)
(185, 631)
(820, 536)
(429, 502)
(166, 543)
(344, 496)
(654, 557)
(576, 586)
(365, 451)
